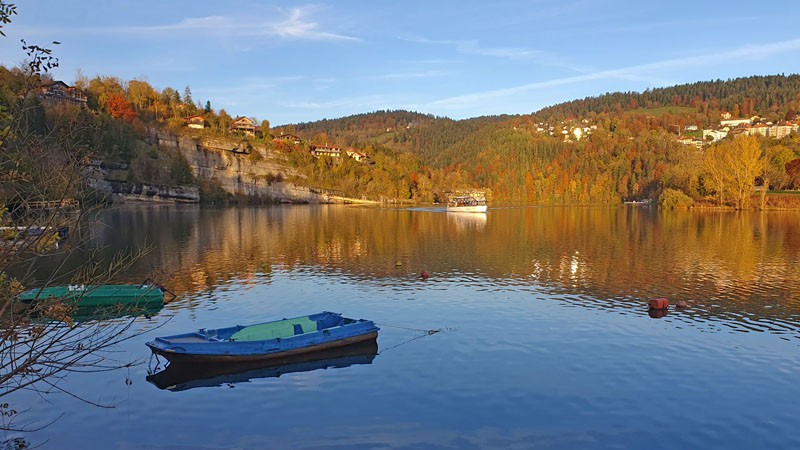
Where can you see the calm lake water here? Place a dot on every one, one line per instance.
(546, 341)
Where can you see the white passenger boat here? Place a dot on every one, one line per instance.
(475, 203)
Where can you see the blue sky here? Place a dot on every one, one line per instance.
(296, 61)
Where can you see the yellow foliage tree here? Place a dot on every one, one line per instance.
(731, 168)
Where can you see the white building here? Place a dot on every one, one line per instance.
(715, 135)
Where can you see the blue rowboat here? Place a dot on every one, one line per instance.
(181, 377)
(264, 341)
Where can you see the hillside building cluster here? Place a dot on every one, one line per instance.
(247, 126)
(567, 129)
(728, 126)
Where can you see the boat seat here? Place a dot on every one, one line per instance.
(273, 330)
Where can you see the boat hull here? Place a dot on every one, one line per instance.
(182, 358)
(180, 377)
(265, 341)
(473, 209)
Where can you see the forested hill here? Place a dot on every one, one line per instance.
(376, 127)
(438, 141)
(604, 149)
(774, 97)
(441, 142)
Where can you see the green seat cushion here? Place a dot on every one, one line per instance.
(272, 330)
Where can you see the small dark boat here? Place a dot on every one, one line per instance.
(181, 377)
(270, 340)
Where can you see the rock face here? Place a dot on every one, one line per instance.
(145, 192)
(239, 167)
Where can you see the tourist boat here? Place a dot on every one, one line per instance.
(475, 202)
(87, 295)
(180, 377)
(270, 340)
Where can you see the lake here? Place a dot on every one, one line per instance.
(544, 339)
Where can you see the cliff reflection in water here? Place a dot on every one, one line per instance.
(740, 265)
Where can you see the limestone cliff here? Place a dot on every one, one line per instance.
(239, 167)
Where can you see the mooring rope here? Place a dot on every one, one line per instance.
(434, 331)
(426, 333)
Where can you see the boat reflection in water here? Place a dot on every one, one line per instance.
(180, 377)
(467, 220)
(65, 313)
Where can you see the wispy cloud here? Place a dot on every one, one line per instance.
(296, 24)
(472, 47)
(368, 102)
(407, 75)
(744, 53)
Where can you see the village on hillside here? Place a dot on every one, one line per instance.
(572, 130)
(59, 93)
(729, 126)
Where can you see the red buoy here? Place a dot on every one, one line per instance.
(681, 304)
(424, 275)
(658, 303)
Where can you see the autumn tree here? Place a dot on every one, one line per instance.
(265, 129)
(793, 173)
(100, 88)
(119, 107)
(731, 168)
(45, 165)
(141, 95)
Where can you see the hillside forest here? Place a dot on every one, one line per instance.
(599, 150)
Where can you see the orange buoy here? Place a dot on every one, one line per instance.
(681, 304)
(424, 275)
(658, 303)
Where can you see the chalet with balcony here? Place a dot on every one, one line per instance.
(198, 122)
(326, 150)
(244, 125)
(59, 93)
(287, 137)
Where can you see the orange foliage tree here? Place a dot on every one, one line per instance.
(119, 107)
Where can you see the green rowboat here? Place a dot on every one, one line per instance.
(96, 295)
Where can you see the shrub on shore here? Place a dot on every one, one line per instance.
(673, 198)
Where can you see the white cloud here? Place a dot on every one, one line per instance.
(296, 24)
(471, 47)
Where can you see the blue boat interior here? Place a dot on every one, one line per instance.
(279, 329)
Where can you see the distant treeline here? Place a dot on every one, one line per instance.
(775, 97)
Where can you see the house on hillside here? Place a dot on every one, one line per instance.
(783, 130)
(326, 150)
(287, 137)
(735, 122)
(714, 135)
(244, 125)
(60, 93)
(357, 155)
(691, 141)
(773, 131)
(760, 129)
(198, 122)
